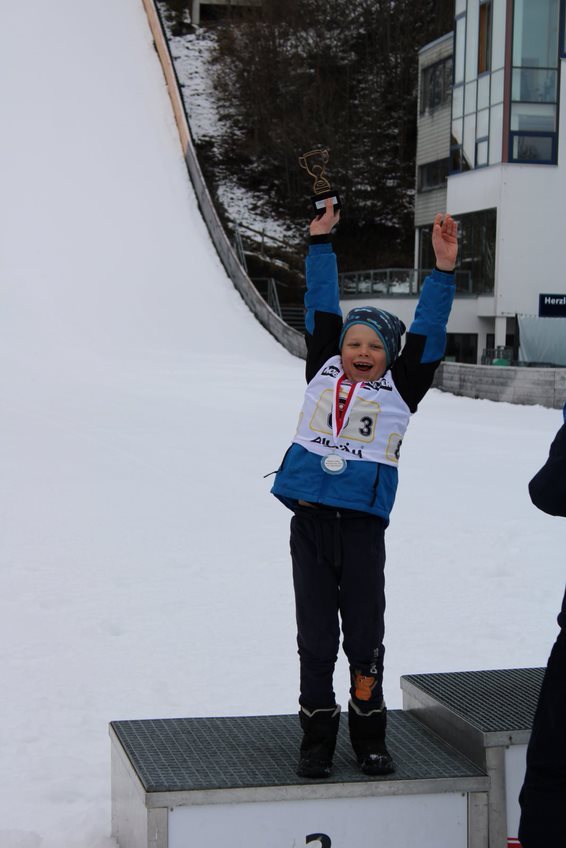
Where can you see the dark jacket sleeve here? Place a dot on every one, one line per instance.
(323, 319)
(548, 488)
(413, 371)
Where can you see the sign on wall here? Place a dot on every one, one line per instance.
(552, 305)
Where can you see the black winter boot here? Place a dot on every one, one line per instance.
(367, 734)
(320, 729)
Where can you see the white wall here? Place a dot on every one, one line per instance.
(530, 255)
(531, 237)
(530, 199)
(473, 190)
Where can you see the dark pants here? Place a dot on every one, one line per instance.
(338, 570)
(543, 796)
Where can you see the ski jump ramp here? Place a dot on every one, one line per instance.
(290, 338)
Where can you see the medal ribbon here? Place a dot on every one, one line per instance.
(340, 416)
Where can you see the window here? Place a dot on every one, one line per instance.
(533, 148)
(461, 347)
(436, 83)
(459, 49)
(482, 152)
(533, 117)
(475, 272)
(477, 249)
(535, 33)
(432, 175)
(484, 40)
(458, 161)
(509, 338)
(534, 91)
(535, 85)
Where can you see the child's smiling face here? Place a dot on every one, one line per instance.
(363, 354)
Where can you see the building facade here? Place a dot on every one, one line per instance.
(501, 162)
(434, 110)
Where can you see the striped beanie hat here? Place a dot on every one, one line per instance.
(388, 327)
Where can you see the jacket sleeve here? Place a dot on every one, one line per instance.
(548, 487)
(323, 319)
(424, 348)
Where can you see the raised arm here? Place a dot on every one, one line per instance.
(323, 319)
(426, 338)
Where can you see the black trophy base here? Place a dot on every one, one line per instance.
(319, 201)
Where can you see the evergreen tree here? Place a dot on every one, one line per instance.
(340, 74)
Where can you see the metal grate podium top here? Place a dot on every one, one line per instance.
(502, 700)
(191, 754)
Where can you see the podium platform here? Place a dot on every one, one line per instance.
(488, 716)
(179, 783)
(459, 744)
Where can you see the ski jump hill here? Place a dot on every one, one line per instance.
(134, 574)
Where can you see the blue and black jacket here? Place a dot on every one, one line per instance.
(365, 486)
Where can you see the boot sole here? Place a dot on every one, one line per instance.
(313, 772)
(378, 768)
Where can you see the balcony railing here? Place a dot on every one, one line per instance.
(501, 355)
(393, 282)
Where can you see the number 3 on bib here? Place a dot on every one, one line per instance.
(360, 425)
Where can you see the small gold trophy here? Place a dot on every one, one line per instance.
(313, 162)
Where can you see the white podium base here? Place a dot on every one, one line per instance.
(183, 783)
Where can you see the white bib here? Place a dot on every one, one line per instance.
(375, 423)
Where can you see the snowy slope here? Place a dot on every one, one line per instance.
(143, 566)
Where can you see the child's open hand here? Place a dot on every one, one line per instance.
(445, 242)
(322, 225)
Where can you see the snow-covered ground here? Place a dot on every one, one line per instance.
(144, 566)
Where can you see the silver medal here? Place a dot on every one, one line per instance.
(333, 463)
